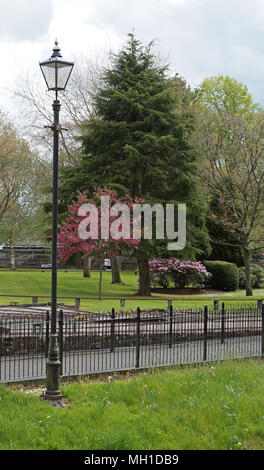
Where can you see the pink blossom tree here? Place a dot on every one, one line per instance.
(94, 227)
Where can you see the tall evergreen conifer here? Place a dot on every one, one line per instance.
(139, 141)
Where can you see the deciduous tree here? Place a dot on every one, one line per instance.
(15, 166)
(96, 243)
(233, 171)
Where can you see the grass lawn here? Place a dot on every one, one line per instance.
(215, 407)
(73, 284)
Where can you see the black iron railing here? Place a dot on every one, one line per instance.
(93, 342)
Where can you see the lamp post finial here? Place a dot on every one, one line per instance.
(56, 50)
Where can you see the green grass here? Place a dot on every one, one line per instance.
(216, 407)
(73, 284)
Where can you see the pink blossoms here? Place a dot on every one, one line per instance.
(179, 272)
(96, 222)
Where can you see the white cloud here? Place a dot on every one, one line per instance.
(76, 31)
(201, 38)
(23, 20)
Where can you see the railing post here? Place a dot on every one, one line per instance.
(61, 339)
(47, 332)
(223, 323)
(138, 338)
(262, 333)
(216, 304)
(73, 322)
(205, 333)
(112, 340)
(171, 315)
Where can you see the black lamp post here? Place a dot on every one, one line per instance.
(56, 72)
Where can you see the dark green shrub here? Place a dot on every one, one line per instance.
(225, 276)
(257, 277)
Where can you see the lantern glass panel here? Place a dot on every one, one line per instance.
(49, 72)
(63, 74)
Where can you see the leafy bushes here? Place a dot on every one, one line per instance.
(225, 276)
(179, 273)
(257, 277)
(219, 275)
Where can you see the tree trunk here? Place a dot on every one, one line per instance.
(12, 256)
(86, 267)
(144, 276)
(100, 280)
(116, 279)
(247, 271)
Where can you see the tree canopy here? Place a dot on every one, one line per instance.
(139, 139)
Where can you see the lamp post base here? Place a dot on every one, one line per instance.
(53, 371)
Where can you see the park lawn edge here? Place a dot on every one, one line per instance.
(214, 407)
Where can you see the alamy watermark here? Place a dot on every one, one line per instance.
(118, 221)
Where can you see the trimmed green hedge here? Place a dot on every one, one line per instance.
(225, 276)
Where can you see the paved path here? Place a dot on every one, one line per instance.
(88, 362)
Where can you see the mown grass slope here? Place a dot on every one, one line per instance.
(214, 407)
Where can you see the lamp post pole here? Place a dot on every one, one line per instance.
(55, 127)
(53, 362)
(56, 73)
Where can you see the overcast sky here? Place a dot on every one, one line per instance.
(199, 38)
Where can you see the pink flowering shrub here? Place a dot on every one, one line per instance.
(178, 272)
(159, 270)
